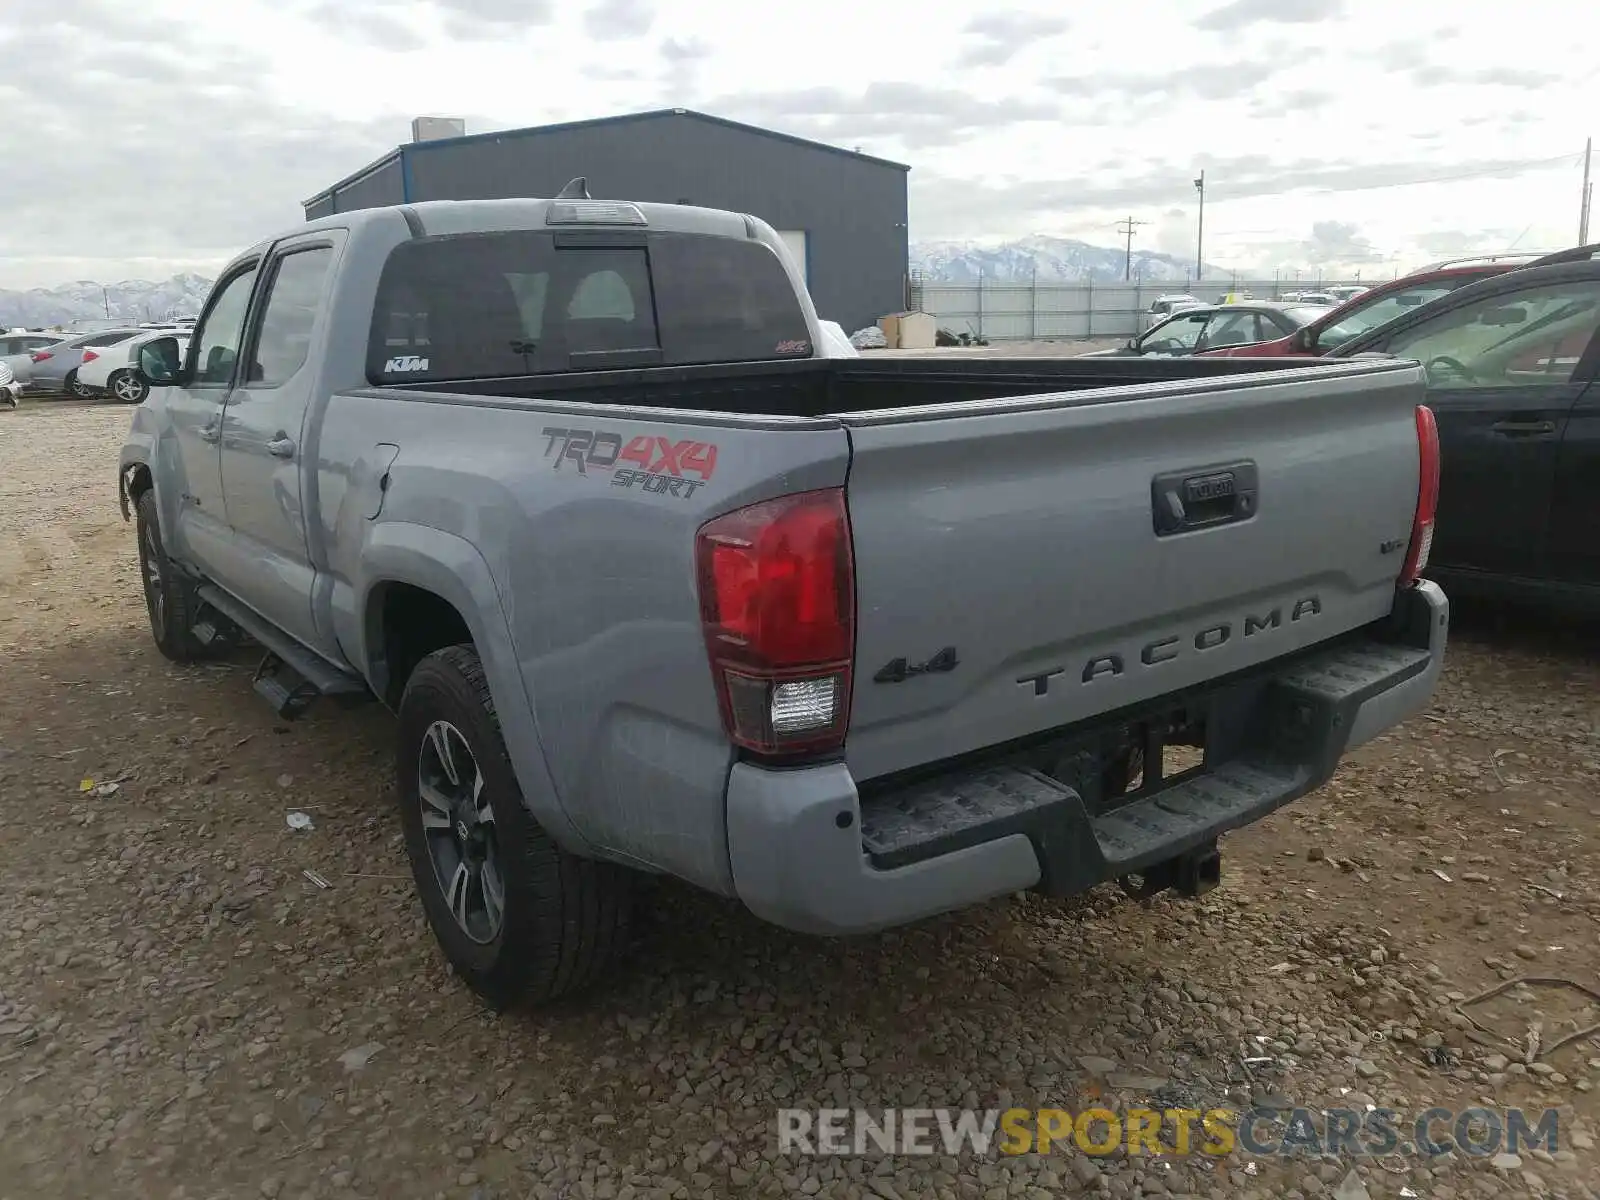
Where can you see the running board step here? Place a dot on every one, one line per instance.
(290, 677)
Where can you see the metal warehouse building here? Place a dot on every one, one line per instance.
(842, 213)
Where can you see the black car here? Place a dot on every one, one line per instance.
(1512, 364)
(1217, 326)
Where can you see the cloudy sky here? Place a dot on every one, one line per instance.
(143, 139)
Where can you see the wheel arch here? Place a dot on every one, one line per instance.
(133, 480)
(415, 573)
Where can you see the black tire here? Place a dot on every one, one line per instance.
(128, 386)
(170, 598)
(562, 918)
(72, 387)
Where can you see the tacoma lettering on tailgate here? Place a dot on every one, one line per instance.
(652, 463)
(1165, 649)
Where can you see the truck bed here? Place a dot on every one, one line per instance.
(1002, 509)
(819, 387)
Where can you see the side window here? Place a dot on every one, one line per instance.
(723, 299)
(1513, 339)
(283, 341)
(1234, 329)
(109, 339)
(217, 336)
(1177, 336)
(1384, 308)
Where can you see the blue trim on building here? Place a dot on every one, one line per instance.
(536, 130)
(652, 115)
(405, 176)
(348, 181)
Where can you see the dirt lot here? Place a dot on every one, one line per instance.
(183, 1013)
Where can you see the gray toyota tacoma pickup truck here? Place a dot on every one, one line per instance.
(654, 586)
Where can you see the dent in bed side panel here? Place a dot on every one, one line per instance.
(342, 365)
(595, 570)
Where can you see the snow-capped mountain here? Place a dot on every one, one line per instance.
(1049, 259)
(131, 300)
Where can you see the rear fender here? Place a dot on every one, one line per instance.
(452, 568)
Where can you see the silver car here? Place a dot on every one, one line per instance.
(16, 347)
(54, 369)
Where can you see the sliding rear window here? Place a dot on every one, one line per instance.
(493, 305)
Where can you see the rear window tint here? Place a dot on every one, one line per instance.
(484, 306)
(723, 300)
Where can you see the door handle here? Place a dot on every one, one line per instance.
(1523, 428)
(281, 447)
(211, 432)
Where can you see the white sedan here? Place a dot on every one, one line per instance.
(114, 369)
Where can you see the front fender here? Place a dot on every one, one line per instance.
(138, 453)
(451, 568)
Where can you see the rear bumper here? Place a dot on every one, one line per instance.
(810, 854)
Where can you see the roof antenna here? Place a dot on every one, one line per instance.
(578, 189)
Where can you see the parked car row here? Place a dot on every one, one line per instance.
(1198, 328)
(1511, 348)
(101, 363)
(1513, 371)
(114, 370)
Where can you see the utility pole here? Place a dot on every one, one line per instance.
(1587, 196)
(1126, 228)
(1200, 229)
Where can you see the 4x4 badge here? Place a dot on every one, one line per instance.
(899, 670)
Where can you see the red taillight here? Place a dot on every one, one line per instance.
(1427, 497)
(777, 599)
(88, 356)
(39, 356)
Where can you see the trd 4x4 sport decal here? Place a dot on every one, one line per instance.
(650, 462)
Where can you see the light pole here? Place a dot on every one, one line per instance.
(1126, 228)
(1200, 230)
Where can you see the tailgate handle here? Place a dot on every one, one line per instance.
(1203, 497)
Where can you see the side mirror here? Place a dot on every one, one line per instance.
(160, 361)
(1133, 344)
(1302, 340)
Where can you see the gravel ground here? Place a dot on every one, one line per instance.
(183, 1013)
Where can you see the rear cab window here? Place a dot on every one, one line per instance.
(495, 305)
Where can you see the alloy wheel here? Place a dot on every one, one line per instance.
(459, 827)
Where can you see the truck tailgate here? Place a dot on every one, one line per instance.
(1021, 564)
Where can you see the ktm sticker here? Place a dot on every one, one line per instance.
(652, 463)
